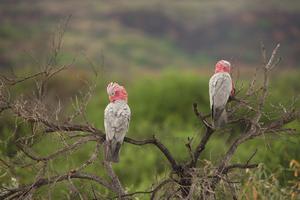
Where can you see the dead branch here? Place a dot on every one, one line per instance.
(26, 150)
(83, 128)
(114, 179)
(201, 146)
(21, 191)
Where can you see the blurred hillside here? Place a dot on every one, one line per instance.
(150, 34)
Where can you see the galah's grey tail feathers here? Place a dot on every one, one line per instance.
(112, 151)
(219, 116)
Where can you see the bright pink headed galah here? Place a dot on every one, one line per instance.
(223, 66)
(116, 121)
(220, 89)
(116, 92)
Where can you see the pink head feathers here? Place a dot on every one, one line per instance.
(116, 92)
(223, 66)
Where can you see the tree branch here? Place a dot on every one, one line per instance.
(240, 166)
(201, 146)
(73, 146)
(114, 178)
(84, 128)
(54, 179)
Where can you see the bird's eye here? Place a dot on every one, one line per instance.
(113, 93)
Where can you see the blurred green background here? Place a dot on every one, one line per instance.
(163, 52)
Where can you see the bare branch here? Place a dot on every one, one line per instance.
(21, 191)
(201, 146)
(73, 146)
(51, 127)
(14, 81)
(114, 178)
(240, 166)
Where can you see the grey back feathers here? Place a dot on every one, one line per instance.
(220, 86)
(116, 122)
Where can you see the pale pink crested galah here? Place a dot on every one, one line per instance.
(220, 89)
(116, 120)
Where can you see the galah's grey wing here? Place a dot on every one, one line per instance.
(220, 87)
(116, 121)
(221, 90)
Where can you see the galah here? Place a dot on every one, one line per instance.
(116, 120)
(220, 89)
